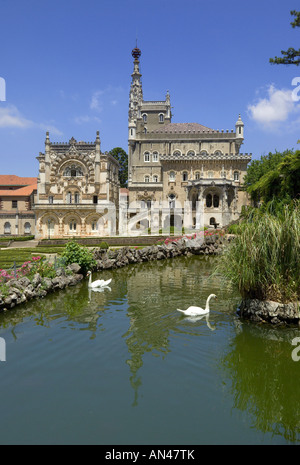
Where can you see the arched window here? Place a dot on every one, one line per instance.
(72, 225)
(147, 178)
(197, 175)
(69, 197)
(144, 116)
(177, 153)
(216, 201)
(155, 156)
(155, 178)
(212, 221)
(27, 228)
(236, 176)
(185, 176)
(172, 176)
(209, 200)
(191, 153)
(7, 228)
(146, 156)
(161, 118)
(76, 197)
(73, 170)
(94, 225)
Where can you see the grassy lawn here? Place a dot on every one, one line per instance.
(21, 255)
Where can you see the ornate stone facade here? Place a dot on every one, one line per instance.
(77, 189)
(171, 163)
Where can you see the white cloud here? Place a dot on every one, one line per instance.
(100, 98)
(11, 117)
(96, 103)
(52, 129)
(86, 119)
(276, 108)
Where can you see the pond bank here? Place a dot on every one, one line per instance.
(23, 289)
(267, 311)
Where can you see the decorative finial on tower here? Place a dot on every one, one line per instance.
(136, 53)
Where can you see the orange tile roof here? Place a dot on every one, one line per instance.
(13, 180)
(23, 191)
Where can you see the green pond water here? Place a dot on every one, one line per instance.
(123, 366)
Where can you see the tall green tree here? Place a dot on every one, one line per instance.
(291, 56)
(274, 176)
(119, 154)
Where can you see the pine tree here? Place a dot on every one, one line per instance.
(291, 56)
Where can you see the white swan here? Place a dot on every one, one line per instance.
(98, 282)
(193, 311)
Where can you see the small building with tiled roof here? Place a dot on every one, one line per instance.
(173, 163)
(17, 198)
(11, 181)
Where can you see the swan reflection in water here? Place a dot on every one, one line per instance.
(193, 319)
(97, 289)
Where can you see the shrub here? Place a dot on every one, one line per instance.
(263, 260)
(234, 229)
(103, 245)
(37, 265)
(76, 253)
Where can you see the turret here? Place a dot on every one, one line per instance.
(239, 129)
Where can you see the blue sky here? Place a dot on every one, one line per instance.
(67, 67)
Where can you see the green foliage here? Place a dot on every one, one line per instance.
(16, 238)
(263, 260)
(291, 56)
(104, 245)
(234, 229)
(76, 253)
(276, 175)
(4, 291)
(37, 265)
(119, 154)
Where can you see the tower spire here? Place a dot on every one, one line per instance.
(136, 91)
